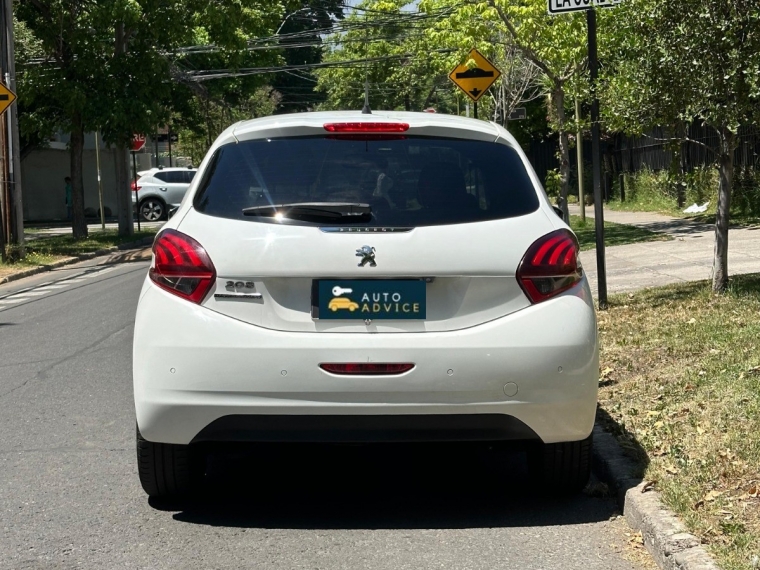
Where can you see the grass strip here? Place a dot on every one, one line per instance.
(680, 387)
(44, 249)
(614, 234)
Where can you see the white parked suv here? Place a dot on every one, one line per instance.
(158, 190)
(348, 277)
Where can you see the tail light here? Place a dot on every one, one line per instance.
(362, 127)
(135, 187)
(550, 266)
(366, 368)
(181, 266)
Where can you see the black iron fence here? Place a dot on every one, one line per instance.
(652, 151)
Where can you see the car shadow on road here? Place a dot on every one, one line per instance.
(379, 487)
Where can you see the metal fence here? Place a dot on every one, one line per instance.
(650, 151)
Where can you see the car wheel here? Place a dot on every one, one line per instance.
(165, 469)
(152, 209)
(561, 467)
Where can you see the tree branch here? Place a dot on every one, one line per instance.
(679, 139)
(529, 54)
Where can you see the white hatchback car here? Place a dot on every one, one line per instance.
(160, 189)
(348, 277)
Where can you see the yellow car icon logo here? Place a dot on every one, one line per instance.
(342, 303)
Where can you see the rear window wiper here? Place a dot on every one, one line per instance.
(315, 211)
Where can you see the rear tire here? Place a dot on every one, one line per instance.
(562, 468)
(152, 210)
(165, 469)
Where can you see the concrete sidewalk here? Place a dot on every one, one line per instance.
(688, 257)
(37, 232)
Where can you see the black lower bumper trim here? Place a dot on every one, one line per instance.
(361, 429)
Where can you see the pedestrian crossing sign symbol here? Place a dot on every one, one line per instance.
(6, 98)
(476, 78)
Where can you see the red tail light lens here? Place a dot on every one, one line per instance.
(135, 187)
(181, 266)
(550, 266)
(366, 368)
(366, 127)
(367, 137)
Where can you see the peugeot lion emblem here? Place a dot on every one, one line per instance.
(367, 253)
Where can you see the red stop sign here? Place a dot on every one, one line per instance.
(138, 141)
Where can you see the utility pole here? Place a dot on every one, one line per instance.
(14, 143)
(579, 155)
(593, 66)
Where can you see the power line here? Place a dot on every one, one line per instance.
(205, 75)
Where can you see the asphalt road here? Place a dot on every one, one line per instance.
(70, 498)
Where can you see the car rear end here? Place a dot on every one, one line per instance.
(348, 278)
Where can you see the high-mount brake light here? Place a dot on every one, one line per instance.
(181, 266)
(550, 266)
(366, 368)
(366, 127)
(366, 137)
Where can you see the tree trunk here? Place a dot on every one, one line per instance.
(558, 99)
(76, 149)
(678, 167)
(726, 170)
(123, 191)
(121, 161)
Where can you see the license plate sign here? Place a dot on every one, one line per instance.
(368, 299)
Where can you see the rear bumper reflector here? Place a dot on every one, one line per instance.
(366, 368)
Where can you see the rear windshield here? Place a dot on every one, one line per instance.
(408, 182)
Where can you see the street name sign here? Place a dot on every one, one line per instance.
(475, 81)
(7, 97)
(138, 142)
(564, 6)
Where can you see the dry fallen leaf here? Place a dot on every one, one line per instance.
(712, 495)
(637, 539)
(648, 486)
(672, 470)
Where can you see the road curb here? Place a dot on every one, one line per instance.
(75, 259)
(664, 535)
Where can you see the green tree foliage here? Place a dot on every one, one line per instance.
(384, 43)
(107, 66)
(554, 44)
(300, 35)
(672, 63)
(195, 139)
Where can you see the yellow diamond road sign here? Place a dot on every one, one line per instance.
(6, 98)
(476, 80)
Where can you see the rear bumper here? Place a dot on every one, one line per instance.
(200, 375)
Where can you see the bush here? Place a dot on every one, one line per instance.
(745, 194)
(553, 184)
(651, 190)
